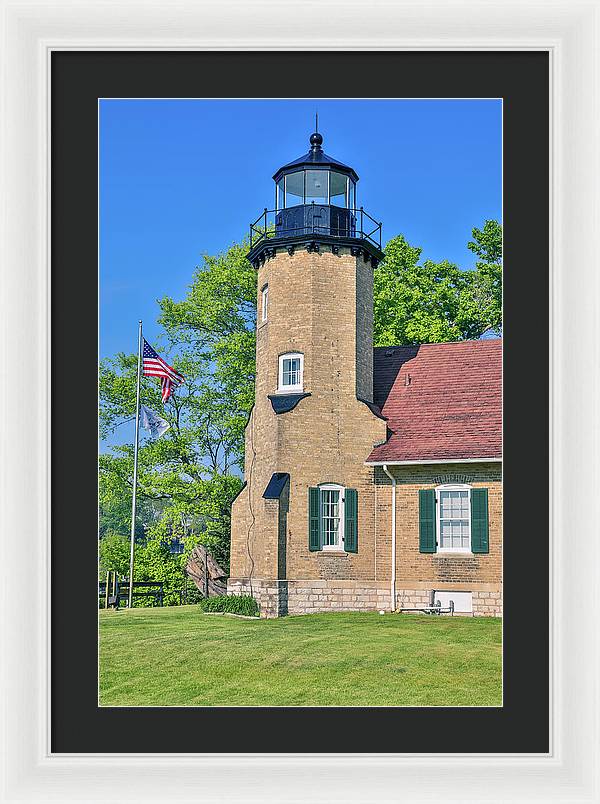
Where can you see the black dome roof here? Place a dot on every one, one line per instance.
(316, 157)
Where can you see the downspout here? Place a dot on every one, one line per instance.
(393, 581)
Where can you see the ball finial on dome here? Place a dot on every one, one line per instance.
(316, 140)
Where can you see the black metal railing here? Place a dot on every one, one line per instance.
(315, 219)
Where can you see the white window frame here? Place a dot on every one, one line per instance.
(264, 304)
(438, 517)
(290, 389)
(339, 547)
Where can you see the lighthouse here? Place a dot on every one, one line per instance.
(302, 524)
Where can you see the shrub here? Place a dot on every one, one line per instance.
(232, 604)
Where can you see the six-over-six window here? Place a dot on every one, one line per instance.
(333, 518)
(454, 519)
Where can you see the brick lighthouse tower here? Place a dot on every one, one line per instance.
(302, 526)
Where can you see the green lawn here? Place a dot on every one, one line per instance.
(182, 657)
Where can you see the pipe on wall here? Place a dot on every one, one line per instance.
(393, 574)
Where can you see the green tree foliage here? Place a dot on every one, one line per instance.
(217, 321)
(487, 283)
(113, 554)
(431, 302)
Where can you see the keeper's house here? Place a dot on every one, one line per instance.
(373, 476)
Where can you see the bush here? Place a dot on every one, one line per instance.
(232, 604)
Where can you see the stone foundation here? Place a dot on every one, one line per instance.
(487, 604)
(412, 598)
(277, 598)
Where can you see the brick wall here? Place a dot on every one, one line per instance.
(318, 305)
(454, 570)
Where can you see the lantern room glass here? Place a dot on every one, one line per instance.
(352, 194)
(317, 187)
(326, 187)
(338, 188)
(294, 189)
(280, 194)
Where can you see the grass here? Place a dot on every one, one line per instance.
(180, 656)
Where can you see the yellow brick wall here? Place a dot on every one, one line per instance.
(318, 305)
(416, 570)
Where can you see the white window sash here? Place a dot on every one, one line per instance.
(339, 545)
(296, 387)
(439, 518)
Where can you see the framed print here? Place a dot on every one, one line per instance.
(326, 525)
(533, 735)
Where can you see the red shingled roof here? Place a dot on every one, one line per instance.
(441, 400)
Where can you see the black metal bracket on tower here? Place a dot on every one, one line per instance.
(313, 245)
(335, 249)
(290, 249)
(355, 251)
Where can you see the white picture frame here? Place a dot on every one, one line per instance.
(570, 31)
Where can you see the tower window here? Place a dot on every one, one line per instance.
(264, 303)
(291, 367)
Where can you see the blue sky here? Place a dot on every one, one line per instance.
(181, 178)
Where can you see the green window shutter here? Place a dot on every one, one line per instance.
(314, 519)
(480, 542)
(351, 521)
(427, 539)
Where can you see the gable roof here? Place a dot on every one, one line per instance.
(441, 400)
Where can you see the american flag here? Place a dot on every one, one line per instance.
(154, 366)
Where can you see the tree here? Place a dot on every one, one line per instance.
(217, 319)
(187, 478)
(433, 302)
(487, 284)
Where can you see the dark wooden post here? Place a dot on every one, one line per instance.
(205, 554)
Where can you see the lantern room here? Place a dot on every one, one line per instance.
(315, 203)
(315, 193)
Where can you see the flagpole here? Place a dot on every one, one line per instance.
(135, 466)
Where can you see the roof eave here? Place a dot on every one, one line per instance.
(326, 164)
(424, 461)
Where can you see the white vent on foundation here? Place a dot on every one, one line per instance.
(463, 601)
